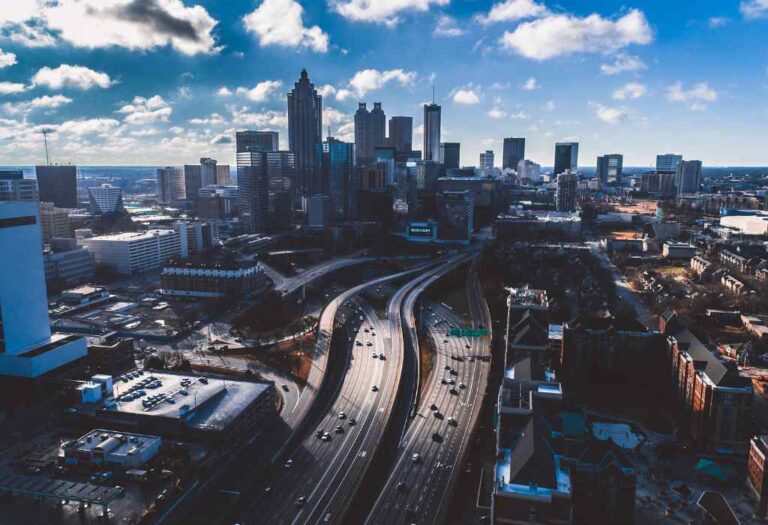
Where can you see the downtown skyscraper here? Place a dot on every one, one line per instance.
(432, 115)
(401, 133)
(514, 152)
(305, 125)
(566, 157)
(370, 132)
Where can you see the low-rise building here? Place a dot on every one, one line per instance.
(678, 250)
(757, 477)
(131, 253)
(702, 267)
(733, 285)
(111, 450)
(212, 280)
(735, 261)
(537, 226)
(715, 398)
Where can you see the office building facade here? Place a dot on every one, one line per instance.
(401, 133)
(432, 118)
(336, 161)
(170, 185)
(528, 170)
(14, 187)
(27, 347)
(455, 216)
(305, 124)
(609, 169)
(208, 174)
(105, 199)
(566, 157)
(246, 141)
(487, 160)
(57, 184)
(264, 180)
(514, 152)
(54, 222)
(370, 132)
(450, 155)
(688, 177)
(132, 253)
(565, 192)
(667, 163)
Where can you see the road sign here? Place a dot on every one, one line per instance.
(469, 332)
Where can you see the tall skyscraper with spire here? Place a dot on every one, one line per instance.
(432, 114)
(305, 125)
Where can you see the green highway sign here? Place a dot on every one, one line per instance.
(469, 332)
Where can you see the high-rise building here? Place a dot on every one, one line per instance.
(257, 141)
(514, 152)
(487, 160)
(455, 215)
(14, 187)
(336, 161)
(27, 347)
(370, 132)
(450, 155)
(223, 175)
(566, 157)
(305, 124)
(170, 185)
(432, 117)
(105, 199)
(218, 202)
(320, 211)
(688, 177)
(565, 193)
(528, 170)
(57, 184)
(193, 181)
(401, 133)
(208, 173)
(609, 169)
(264, 181)
(667, 163)
(54, 222)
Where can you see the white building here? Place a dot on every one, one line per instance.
(104, 448)
(105, 199)
(756, 224)
(527, 169)
(27, 348)
(130, 253)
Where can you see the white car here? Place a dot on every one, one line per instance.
(416, 458)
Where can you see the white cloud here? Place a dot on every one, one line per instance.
(608, 114)
(11, 88)
(630, 91)
(146, 110)
(520, 115)
(333, 116)
(67, 76)
(369, 80)
(29, 34)
(214, 119)
(132, 24)
(7, 59)
(466, 97)
(281, 23)
(224, 92)
(447, 27)
(343, 95)
(717, 21)
(497, 113)
(87, 126)
(623, 63)
(563, 35)
(261, 91)
(243, 117)
(326, 90)
(695, 98)
(17, 11)
(512, 11)
(550, 105)
(531, 84)
(752, 9)
(381, 11)
(44, 102)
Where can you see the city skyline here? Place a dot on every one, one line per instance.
(175, 88)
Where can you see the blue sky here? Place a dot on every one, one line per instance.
(152, 82)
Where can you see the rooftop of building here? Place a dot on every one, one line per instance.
(115, 443)
(205, 403)
(131, 236)
(526, 296)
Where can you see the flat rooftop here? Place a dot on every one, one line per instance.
(204, 402)
(131, 236)
(116, 443)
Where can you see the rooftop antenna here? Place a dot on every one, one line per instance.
(45, 139)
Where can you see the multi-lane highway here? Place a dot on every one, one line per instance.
(431, 454)
(288, 285)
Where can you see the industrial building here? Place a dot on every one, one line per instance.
(111, 450)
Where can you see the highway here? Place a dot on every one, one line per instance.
(417, 489)
(288, 285)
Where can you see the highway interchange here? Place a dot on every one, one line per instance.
(317, 472)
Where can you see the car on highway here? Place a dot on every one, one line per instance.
(300, 501)
(352, 422)
(319, 433)
(382, 357)
(326, 436)
(285, 387)
(416, 457)
(447, 367)
(374, 388)
(342, 415)
(451, 381)
(373, 334)
(402, 487)
(339, 429)
(358, 343)
(462, 385)
(288, 464)
(454, 392)
(433, 407)
(374, 355)
(369, 343)
(452, 421)
(437, 437)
